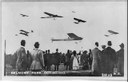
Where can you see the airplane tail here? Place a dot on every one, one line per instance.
(76, 22)
(52, 40)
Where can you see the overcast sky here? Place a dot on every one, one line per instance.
(100, 17)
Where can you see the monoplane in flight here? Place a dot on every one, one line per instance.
(111, 33)
(79, 20)
(72, 37)
(50, 15)
(23, 15)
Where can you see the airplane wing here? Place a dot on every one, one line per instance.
(24, 34)
(24, 31)
(72, 35)
(83, 21)
(113, 32)
(52, 15)
(24, 15)
(58, 16)
(79, 20)
(45, 17)
(48, 14)
(76, 19)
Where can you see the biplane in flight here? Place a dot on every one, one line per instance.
(79, 20)
(50, 15)
(72, 37)
(23, 15)
(111, 33)
(23, 32)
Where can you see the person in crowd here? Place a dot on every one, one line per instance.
(79, 57)
(62, 61)
(96, 60)
(57, 60)
(90, 58)
(21, 57)
(29, 60)
(67, 59)
(84, 60)
(52, 61)
(75, 61)
(111, 58)
(47, 60)
(71, 60)
(38, 59)
(62, 58)
(103, 60)
(120, 60)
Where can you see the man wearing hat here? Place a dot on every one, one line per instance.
(111, 58)
(120, 59)
(96, 69)
(103, 60)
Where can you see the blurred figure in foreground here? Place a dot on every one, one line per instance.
(21, 57)
(120, 60)
(38, 60)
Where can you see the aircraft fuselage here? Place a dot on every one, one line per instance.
(67, 39)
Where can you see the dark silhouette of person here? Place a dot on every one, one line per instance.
(67, 59)
(48, 57)
(71, 60)
(96, 69)
(62, 58)
(45, 59)
(90, 58)
(84, 60)
(57, 60)
(120, 60)
(29, 60)
(103, 60)
(111, 58)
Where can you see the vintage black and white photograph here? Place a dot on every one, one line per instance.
(85, 39)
